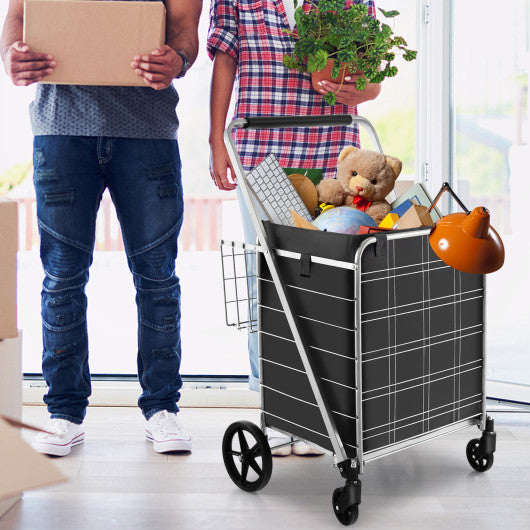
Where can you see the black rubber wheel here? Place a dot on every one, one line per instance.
(348, 515)
(482, 463)
(254, 456)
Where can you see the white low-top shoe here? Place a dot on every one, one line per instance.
(165, 433)
(305, 449)
(276, 439)
(60, 437)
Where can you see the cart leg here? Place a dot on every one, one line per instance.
(479, 452)
(346, 500)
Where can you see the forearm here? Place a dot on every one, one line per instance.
(11, 33)
(186, 42)
(223, 76)
(182, 27)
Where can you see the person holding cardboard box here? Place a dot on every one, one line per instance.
(87, 139)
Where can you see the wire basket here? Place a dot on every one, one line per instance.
(238, 262)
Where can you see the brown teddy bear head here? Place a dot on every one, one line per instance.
(367, 174)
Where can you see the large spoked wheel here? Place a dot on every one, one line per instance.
(478, 461)
(347, 515)
(247, 456)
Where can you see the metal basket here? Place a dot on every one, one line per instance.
(238, 263)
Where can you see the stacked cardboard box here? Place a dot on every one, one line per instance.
(21, 468)
(10, 340)
(10, 405)
(8, 268)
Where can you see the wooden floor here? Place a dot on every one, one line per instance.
(117, 481)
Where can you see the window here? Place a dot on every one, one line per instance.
(491, 68)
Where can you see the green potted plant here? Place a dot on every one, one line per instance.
(336, 38)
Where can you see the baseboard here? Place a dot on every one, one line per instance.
(126, 393)
(508, 391)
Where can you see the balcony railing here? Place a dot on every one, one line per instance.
(201, 229)
(203, 222)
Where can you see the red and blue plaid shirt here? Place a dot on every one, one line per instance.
(252, 32)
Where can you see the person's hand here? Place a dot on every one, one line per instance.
(25, 67)
(219, 166)
(348, 93)
(159, 68)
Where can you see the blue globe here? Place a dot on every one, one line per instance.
(344, 220)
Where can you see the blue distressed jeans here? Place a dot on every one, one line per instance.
(144, 181)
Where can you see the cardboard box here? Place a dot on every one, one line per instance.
(10, 391)
(417, 194)
(8, 268)
(415, 217)
(22, 468)
(94, 43)
(11, 376)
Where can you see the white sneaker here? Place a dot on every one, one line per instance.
(64, 435)
(277, 438)
(304, 449)
(166, 434)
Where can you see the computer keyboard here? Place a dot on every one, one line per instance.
(275, 193)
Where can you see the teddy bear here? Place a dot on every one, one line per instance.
(364, 179)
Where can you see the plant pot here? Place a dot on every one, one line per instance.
(325, 75)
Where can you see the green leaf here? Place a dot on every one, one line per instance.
(298, 15)
(389, 14)
(378, 78)
(330, 98)
(289, 62)
(321, 58)
(335, 70)
(361, 83)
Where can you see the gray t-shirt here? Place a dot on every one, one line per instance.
(127, 112)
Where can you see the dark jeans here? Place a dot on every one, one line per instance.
(144, 180)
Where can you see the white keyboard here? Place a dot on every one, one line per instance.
(275, 193)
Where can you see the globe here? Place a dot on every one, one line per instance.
(344, 220)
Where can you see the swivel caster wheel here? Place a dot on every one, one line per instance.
(347, 515)
(478, 460)
(247, 456)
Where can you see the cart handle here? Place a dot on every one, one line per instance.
(273, 122)
(278, 122)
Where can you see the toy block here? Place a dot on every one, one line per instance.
(415, 217)
(389, 221)
(403, 207)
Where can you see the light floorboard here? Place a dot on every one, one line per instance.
(117, 481)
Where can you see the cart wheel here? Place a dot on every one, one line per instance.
(254, 456)
(478, 461)
(346, 516)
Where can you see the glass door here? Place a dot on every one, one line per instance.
(491, 161)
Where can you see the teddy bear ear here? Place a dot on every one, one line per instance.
(345, 152)
(395, 164)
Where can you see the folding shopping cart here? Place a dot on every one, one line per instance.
(368, 344)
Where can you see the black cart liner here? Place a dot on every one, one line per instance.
(421, 331)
